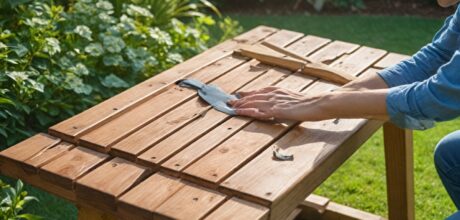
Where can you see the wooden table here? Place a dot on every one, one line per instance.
(157, 151)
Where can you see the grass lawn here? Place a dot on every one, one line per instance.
(360, 183)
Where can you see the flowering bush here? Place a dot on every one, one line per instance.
(56, 61)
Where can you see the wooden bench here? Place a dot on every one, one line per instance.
(157, 151)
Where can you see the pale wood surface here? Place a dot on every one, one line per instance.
(400, 172)
(175, 157)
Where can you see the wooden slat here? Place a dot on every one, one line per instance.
(168, 147)
(73, 164)
(390, 60)
(308, 144)
(146, 136)
(230, 155)
(104, 136)
(308, 44)
(136, 143)
(29, 147)
(236, 209)
(336, 211)
(333, 51)
(75, 126)
(283, 37)
(46, 155)
(142, 200)
(399, 161)
(190, 202)
(102, 186)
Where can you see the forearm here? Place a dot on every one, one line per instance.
(370, 81)
(369, 104)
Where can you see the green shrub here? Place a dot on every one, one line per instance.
(56, 62)
(13, 200)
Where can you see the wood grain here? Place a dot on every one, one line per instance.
(399, 163)
(311, 143)
(64, 171)
(390, 60)
(102, 186)
(143, 199)
(236, 209)
(75, 126)
(190, 202)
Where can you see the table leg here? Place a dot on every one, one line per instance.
(89, 213)
(399, 171)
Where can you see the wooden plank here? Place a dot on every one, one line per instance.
(143, 199)
(90, 213)
(230, 155)
(283, 38)
(29, 147)
(144, 138)
(336, 211)
(311, 68)
(333, 51)
(184, 137)
(167, 148)
(104, 136)
(102, 186)
(308, 45)
(235, 79)
(75, 126)
(316, 202)
(73, 164)
(311, 143)
(236, 209)
(399, 171)
(390, 60)
(190, 202)
(46, 155)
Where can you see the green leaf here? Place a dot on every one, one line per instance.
(36, 85)
(6, 101)
(79, 69)
(29, 217)
(20, 50)
(113, 44)
(113, 60)
(84, 32)
(51, 46)
(17, 76)
(113, 81)
(94, 49)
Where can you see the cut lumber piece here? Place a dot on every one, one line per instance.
(13, 159)
(333, 51)
(227, 156)
(399, 164)
(137, 143)
(142, 139)
(308, 45)
(90, 213)
(105, 135)
(283, 38)
(390, 60)
(172, 144)
(46, 155)
(319, 70)
(190, 202)
(64, 171)
(236, 209)
(102, 186)
(336, 211)
(75, 126)
(287, 52)
(316, 202)
(143, 199)
(312, 143)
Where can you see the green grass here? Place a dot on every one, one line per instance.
(360, 183)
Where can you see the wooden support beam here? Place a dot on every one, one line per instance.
(399, 170)
(272, 57)
(90, 213)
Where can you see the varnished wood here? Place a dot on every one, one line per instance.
(399, 169)
(314, 69)
(90, 213)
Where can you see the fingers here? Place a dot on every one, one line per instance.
(254, 113)
(242, 101)
(259, 91)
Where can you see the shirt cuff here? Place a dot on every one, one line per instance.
(400, 112)
(391, 77)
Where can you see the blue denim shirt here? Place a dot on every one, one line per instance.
(426, 87)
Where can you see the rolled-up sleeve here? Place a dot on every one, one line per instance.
(427, 60)
(418, 105)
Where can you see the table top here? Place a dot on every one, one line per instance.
(157, 150)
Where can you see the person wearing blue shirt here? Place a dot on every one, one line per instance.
(413, 94)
